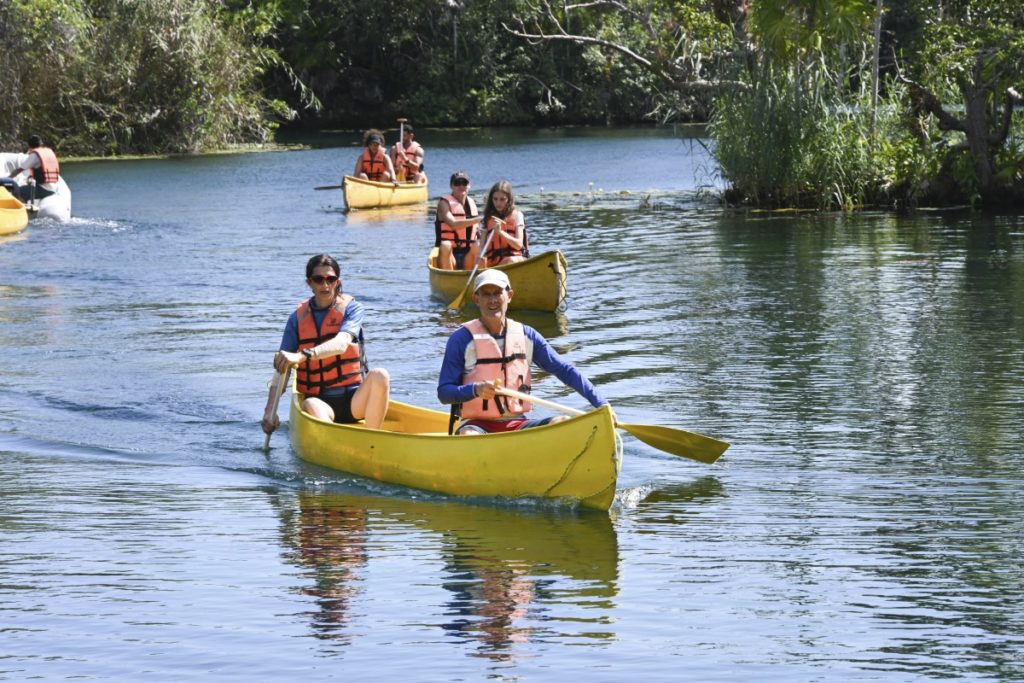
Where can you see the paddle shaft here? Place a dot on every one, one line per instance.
(329, 187)
(457, 303)
(668, 439)
(282, 381)
(401, 144)
(539, 401)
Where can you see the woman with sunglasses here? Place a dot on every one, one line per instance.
(455, 226)
(323, 340)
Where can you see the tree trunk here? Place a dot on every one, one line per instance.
(976, 123)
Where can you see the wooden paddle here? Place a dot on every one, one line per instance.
(282, 382)
(400, 146)
(457, 303)
(668, 439)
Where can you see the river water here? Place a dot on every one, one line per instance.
(866, 524)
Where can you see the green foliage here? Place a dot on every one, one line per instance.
(122, 76)
(971, 57)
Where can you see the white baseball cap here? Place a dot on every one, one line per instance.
(491, 277)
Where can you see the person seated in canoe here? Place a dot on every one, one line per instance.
(45, 169)
(508, 243)
(493, 351)
(407, 157)
(373, 163)
(455, 223)
(323, 340)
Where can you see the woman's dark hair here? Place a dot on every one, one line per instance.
(373, 133)
(323, 260)
(505, 187)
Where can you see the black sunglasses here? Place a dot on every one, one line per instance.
(461, 181)
(320, 279)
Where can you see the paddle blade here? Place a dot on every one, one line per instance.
(457, 302)
(678, 442)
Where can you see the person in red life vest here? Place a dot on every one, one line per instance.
(45, 169)
(509, 244)
(407, 157)
(455, 226)
(373, 163)
(495, 350)
(323, 340)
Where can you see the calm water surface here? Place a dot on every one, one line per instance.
(866, 525)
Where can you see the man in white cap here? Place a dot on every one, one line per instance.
(494, 350)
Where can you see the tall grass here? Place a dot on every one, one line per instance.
(803, 139)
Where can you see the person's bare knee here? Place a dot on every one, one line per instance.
(318, 408)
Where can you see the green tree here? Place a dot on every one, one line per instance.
(967, 80)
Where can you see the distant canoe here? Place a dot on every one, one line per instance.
(13, 214)
(576, 460)
(370, 194)
(538, 283)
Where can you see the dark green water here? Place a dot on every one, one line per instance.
(866, 524)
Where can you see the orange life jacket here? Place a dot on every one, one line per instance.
(463, 237)
(373, 167)
(512, 368)
(412, 152)
(500, 248)
(345, 370)
(48, 170)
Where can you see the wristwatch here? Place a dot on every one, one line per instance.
(308, 353)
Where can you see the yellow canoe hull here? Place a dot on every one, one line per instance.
(576, 461)
(13, 214)
(370, 194)
(538, 283)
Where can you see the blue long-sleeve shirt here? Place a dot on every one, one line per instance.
(450, 388)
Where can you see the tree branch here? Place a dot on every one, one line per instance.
(581, 40)
(999, 137)
(926, 101)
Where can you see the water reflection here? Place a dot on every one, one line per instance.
(511, 575)
(327, 537)
(414, 216)
(516, 577)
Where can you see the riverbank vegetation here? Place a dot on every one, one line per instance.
(821, 103)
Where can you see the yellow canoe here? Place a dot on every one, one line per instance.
(576, 461)
(538, 283)
(13, 214)
(370, 194)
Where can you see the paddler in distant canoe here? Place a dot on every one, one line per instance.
(407, 156)
(455, 224)
(373, 163)
(509, 243)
